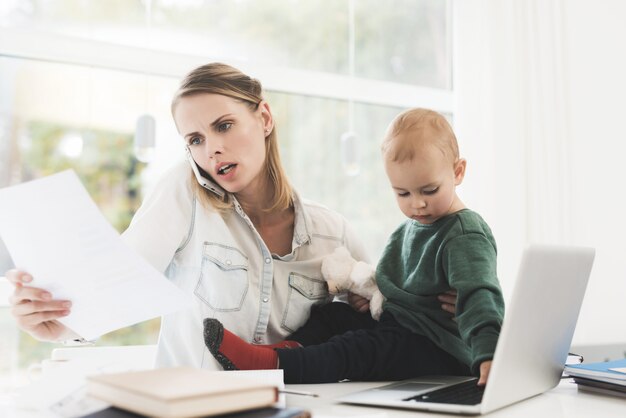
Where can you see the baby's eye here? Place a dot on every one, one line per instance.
(223, 127)
(403, 194)
(431, 191)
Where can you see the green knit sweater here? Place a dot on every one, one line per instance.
(419, 262)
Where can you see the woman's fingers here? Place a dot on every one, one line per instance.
(363, 306)
(447, 298)
(31, 315)
(34, 320)
(29, 308)
(358, 303)
(18, 276)
(448, 301)
(32, 307)
(27, 293)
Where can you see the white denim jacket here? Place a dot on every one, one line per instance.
(227, 268)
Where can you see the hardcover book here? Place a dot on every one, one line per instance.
(180, 392)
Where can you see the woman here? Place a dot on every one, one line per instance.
(248, 248)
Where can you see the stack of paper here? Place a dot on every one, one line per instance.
(606, 377)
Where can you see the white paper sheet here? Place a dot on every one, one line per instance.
(54, 230)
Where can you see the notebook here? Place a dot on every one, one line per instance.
(532, 348)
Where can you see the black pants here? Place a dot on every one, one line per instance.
(340, 343)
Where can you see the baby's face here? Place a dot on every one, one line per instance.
(425, 186)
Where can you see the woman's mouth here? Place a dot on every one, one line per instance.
(225, 169)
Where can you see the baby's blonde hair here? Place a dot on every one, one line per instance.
(414, 128)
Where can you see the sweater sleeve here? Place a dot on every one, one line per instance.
(470, 265)
(163, 222)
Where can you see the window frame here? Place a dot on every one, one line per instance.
(46, 46)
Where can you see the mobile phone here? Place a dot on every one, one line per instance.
(205, 182)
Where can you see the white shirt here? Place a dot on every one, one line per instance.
(224, 264)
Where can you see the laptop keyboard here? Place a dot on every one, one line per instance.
(465, 393)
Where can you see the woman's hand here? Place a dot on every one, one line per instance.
(448, 301)
(35, 311)
(358, 303)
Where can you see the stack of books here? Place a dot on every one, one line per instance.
(607, 377)
(184, 392)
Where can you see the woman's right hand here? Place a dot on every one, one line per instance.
(35, 311)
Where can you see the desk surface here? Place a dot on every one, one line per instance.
(564, 401)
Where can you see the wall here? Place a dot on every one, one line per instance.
(539, 108)
(596, 59)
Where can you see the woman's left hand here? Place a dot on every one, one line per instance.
(358, 303)
(448, 301)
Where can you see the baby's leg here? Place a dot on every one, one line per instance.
(386, 352)
(329, 320)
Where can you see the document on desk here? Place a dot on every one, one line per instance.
(54, 230)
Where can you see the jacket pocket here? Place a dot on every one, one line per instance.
(303, 293)
(223, 281)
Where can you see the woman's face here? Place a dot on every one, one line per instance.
(226, 138)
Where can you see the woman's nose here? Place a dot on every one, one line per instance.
(213, 148)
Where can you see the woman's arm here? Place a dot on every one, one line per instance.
(163, 222)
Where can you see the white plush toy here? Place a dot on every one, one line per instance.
(342, 272)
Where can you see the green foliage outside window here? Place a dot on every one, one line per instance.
(111, 175)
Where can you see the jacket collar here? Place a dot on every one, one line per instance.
(302, 219)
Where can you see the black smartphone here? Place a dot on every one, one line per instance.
(205, 182)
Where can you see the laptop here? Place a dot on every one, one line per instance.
(532, 348)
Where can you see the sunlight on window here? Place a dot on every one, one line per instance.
(56, 116)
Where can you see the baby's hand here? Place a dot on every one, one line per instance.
(485, 367)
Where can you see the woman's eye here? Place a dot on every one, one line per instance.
(403, 194)
(195, 140)
(223, 127)
(431, 191)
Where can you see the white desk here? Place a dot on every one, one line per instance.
(564, 401)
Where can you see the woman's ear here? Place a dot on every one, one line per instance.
(266, 117)
(459, 171)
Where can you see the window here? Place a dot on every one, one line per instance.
(76, 75)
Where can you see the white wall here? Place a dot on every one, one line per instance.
(540, 87)
(596, 59)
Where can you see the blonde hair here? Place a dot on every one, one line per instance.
(414, 128)
(222, 79)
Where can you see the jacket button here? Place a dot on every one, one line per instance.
(268, 260)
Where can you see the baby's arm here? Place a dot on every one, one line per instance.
(470, 264)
